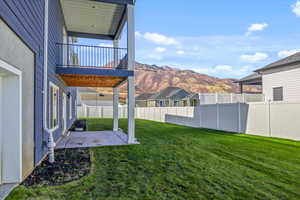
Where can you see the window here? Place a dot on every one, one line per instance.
(278, 94)
(161, 104)
(70, 108)
(53, 106)
(176, 103)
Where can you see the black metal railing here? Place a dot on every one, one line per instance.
(74, 55)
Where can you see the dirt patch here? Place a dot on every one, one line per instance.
(70, 165)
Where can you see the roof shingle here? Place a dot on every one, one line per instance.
(286, 61)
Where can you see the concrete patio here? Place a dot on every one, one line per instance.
(92, 139)
(5, 189)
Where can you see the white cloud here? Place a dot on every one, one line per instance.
(296, 8)
(256, 27)
(160, 49)
(254, 58)
(207, 51)
(160, 39)
(105, 45)
(180, 52)
(286, 53)
(138, 34)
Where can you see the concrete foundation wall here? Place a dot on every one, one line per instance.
(17, 54)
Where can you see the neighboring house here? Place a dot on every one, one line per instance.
(169, 97)
(40, 68)
(193, 100)
(143, 100)
(280, 80)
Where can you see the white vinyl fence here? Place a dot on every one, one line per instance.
(276, 119)
(265, 119)
(149, 113)
(214, 98)
(100, 111)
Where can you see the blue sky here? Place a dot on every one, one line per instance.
(225, 38)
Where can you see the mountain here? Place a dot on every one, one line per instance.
(152, 78)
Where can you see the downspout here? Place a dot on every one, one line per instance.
(50, 142)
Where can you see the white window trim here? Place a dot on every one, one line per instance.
(70, 107)
(18, 173)
(51, 84)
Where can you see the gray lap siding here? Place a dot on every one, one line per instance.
(56, 23)
(26, 19)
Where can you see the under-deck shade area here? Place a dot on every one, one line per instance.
(101, 19)
(95, 66)
(92, 139)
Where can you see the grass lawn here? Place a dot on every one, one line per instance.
(176, 162)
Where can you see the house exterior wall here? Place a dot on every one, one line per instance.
(151, 103)
(15, 52)
(287, 77)
(141, 103)
(56, 31)
(26, 20)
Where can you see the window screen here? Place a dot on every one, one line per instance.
(278, 94)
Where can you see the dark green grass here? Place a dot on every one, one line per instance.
(176, 162)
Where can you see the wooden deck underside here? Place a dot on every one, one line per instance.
(75, 80)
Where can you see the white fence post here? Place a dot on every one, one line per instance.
(269, 118)
(218, 116)
(84, 110)
(239, 118)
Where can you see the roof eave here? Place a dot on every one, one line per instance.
(120, 2)
(275, 66)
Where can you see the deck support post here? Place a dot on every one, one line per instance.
(116, 91)
(116, 56)
(241, 88)
(116, 108)
(131, 61)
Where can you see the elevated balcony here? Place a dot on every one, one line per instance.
(92, 66)
(95, 66)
